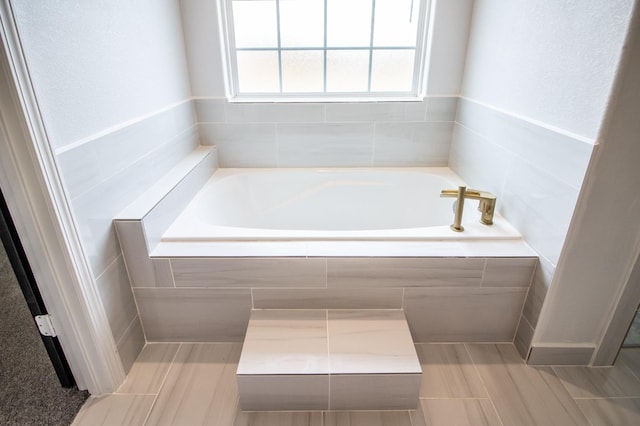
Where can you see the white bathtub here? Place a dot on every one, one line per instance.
(393, 204)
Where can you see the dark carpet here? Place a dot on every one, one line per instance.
(30, 393)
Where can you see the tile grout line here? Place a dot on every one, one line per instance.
(475, 367)
(164, 379)
(576, 399)
(328, 365)
(484, 270)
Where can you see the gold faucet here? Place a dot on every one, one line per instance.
(487, 204)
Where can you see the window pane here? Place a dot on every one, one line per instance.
(302, 71)
(396, 23)
(392, 70)
(302, 23)
(347, 70)
(255, 23)
(348, 23)
(258, 72)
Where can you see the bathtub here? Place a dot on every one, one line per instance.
(385, 204)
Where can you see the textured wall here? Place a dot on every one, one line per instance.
(97, 64)
(551, 61)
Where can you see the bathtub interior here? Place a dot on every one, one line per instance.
(359, 204)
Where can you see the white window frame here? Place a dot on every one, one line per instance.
(231, 69)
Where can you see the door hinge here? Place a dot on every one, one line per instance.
(45, 325)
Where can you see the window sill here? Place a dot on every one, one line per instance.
(323, 99)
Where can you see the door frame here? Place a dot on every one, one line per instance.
(29, 287)
(37, 202)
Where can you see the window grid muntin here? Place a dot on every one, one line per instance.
(418, 71)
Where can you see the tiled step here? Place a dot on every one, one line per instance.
(328, 360)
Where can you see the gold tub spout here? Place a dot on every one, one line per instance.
(486, 206)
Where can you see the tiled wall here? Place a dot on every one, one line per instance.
(103, 175)
(536, 173)
(445, 299)
(328, 134)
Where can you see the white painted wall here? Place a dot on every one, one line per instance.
(448, 36)
(202, 43)
(603, 242)
(551, 61)
(450, 26)
(96, 64)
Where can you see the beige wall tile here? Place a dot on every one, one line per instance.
(333, 298)
(404, 272)
(509, 272)
(283, 392)
(463, 314)
(201, 315)
(249, 272)
(374, 392)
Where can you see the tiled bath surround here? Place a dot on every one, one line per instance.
(448, 300)
(210, 298)
(536, 172)
(104, 174)
(328, 134)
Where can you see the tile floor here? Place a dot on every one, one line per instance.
(463, 384)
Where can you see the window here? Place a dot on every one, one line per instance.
(279, 49)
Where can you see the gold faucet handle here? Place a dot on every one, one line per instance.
(476, 194)
(453, 193)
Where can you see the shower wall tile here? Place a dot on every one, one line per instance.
(509, 272)
(539, 206)
(441, 108)
(115, 294)
(96, 160)
(538, 291)
(322, 298)
(524, 336)
(242, 145)
(330, 134)
(134, 249)
(210, 110)
(463, 314)
(557, 153)
(404, 272)
(95, 209)
(412, 144)
(470, 158)
(374, 111)
(200, 315)
(130, 344)
(274, 113)
(536, 172)
(325, 145)
(243, 272)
